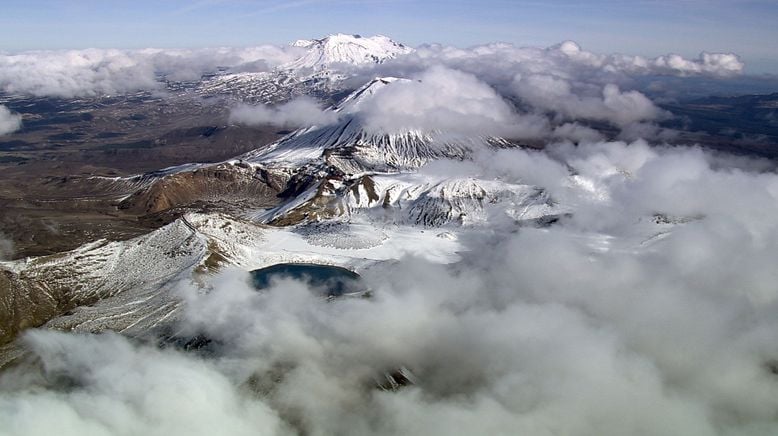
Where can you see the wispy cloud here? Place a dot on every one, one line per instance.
(9, 121)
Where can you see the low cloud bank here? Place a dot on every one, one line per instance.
(650, 310)
(449, 100)
(494, 89)
(442, 99)
(549, 93)
(300, 112)
(73, 73)
(92, 72)
(565, 81)
(500, 62)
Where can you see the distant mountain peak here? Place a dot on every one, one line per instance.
(342, 48)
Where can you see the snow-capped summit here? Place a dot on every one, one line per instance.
(314, 73)
(345, 49)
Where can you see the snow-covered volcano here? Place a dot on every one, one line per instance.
(315, 72)
(345, 49)
(352, 148)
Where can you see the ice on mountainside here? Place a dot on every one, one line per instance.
(413, 199)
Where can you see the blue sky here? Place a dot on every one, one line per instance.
(646, 27)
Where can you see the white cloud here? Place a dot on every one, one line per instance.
(9, 121)
(108, 71)
(713, 64)
(576, 84)
(498, 63)
(300, 112)
(602, 324)
(547, 92)
(123, 389)
(442, 99)
(716, 64)
(605, 323)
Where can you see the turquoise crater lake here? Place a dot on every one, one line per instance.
(333, 281)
